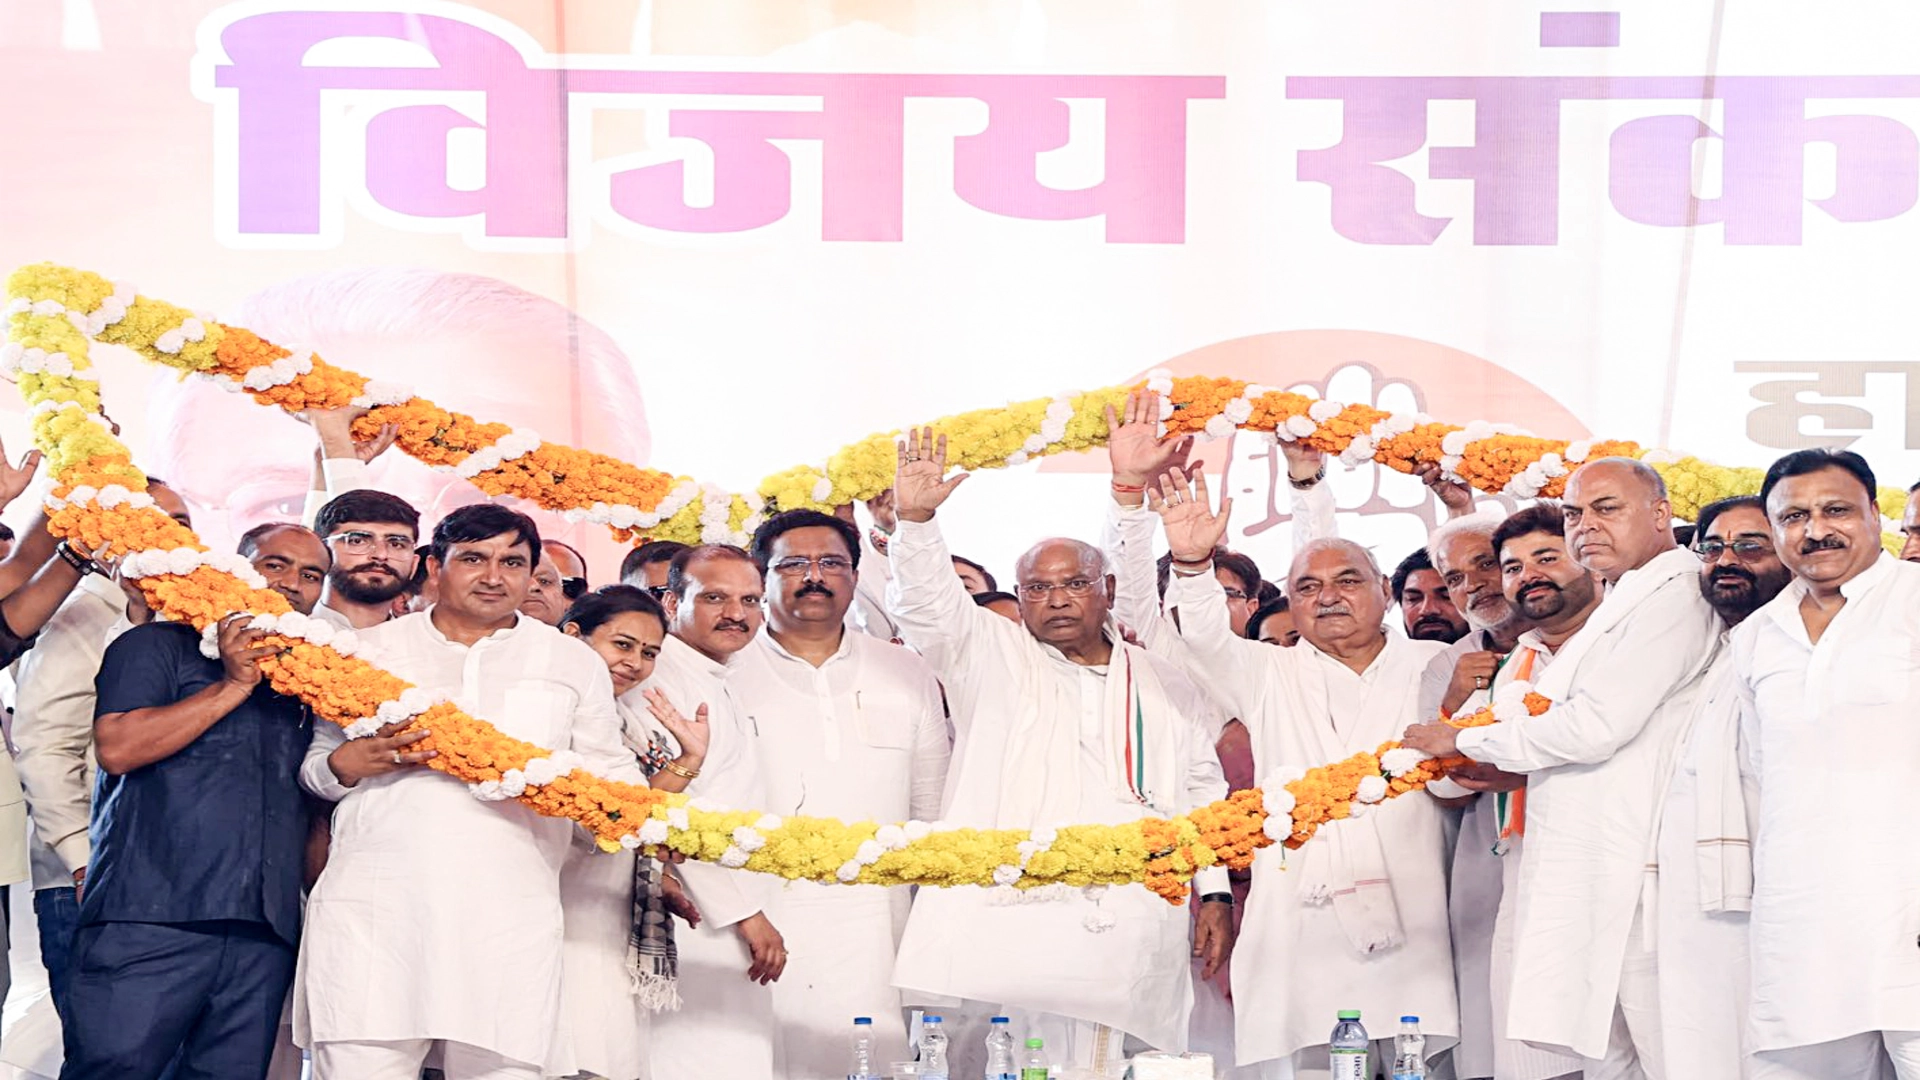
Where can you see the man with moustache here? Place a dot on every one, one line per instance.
(1361, 913)
(415, 947)
(1624, 690)
(1425, 608)
(845, 726)
(372, 536)
(715, 601)
(1826, 675)
(1551, 596)
(1058, 720)
(1704, 856)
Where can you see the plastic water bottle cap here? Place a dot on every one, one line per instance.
(1035, 1043)
(929, 1019)
(1348, 1014)
(1409, 1019)
(859, 1020)
(1001, 1020)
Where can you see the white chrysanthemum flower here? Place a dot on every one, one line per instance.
(1219, 427)
(1018, 457)
(1454, 443)
(1370, 789)
(1323, 410)
(822, 489)
(869, 852)
(891, 837)
(1006, 874)
(541, 771)
(1034, 444)
(849, 872)
(1401, 760)
(1238, 411)
(1358, 810)
(917, 830)
(733, 858)
(1577, 451)
(487, 791)
(653, 831)
(514, 783)
(1300, 427)
(746, 839)
(1279, 802)
(677, 818)
(768, 822)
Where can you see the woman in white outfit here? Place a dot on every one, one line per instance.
(605, 999)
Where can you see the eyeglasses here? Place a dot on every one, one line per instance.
(1233, 593)
(1709, 550)
(359, 543)
(1041, 591)
(796, 565)
(660, 592)
(573, 588)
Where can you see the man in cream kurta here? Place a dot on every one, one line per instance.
(845, 726)
(1358, 917)
(1044, 740)
(1624, 690)
(413, 944)
(1827, 673)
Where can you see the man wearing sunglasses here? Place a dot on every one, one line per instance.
(560, 579)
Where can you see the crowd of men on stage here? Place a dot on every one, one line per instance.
(1688, 866)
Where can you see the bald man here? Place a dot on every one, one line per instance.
(1624, 690)
(1360, 914)
(1058, 721)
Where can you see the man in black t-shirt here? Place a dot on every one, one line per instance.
(191, 910)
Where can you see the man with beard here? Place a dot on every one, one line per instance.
(1361, 913)
(727, 963)
(1425, 608)
(1704, 856)
(372, 536)
(1826, 674)
(845, 726)
(1058, 720)
(1910, 526)
(1551, 596)
(1623, 690)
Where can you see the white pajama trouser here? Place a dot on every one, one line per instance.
(1871, 1055)
(402, 1059)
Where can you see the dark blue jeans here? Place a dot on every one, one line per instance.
(59, 916)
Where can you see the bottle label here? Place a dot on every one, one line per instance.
(1349, 1064)
(1409, 1074)
(1036, 1073)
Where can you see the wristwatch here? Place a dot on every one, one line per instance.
(1308, 483)
(1217, 898)
(76, 560)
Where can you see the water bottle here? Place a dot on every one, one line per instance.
(933, 1049)
(1349, 1048)
(1034, 1065)
(1410, 1051)
(862, 1066)
(1000, 1051)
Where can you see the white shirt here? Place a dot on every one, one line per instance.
(1834, 737)
(1303, 708)
(438, 916)
(53, 726)
(1597, 765)
(1013, 700)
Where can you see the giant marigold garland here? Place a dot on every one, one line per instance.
(99, 499)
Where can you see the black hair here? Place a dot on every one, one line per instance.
(484, 521)
(992, 585)
(603, 603)
(6, 531)
(653, 551)
(1544, 516)
(1409, 566)
(1266, 611)
(250, 540)
(419, 579)
(1241, 567)
(683, 560)
(365, 505)
(1715, 509)
(1269, 592)
(1802, 462)
(982, 599)
(786, 521)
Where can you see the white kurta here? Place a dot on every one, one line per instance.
(1305, 708)
(1017, 703)
(1702, 955)
(410, 934)
(602, 1026)
(724, 1027)
(1597, 765)
(863, 737)
(1834, 738)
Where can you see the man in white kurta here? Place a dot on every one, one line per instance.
(1597, 763)
(1827, 673)
(1357, 918)
(724, 1028)
(436, 926)
(845, 726)
(1704, 856)
(1046, 740)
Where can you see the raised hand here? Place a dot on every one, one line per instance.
(1304, 463)
(1134, 446)
(15, 478)
(335, 430)
(693, 735)
(1454, 495)
(1186, 513)
(918, 487)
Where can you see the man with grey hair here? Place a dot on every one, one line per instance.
(1361, 913)
(1057, 719)
(1624, 689)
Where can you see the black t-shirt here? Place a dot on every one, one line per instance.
(217, 831)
